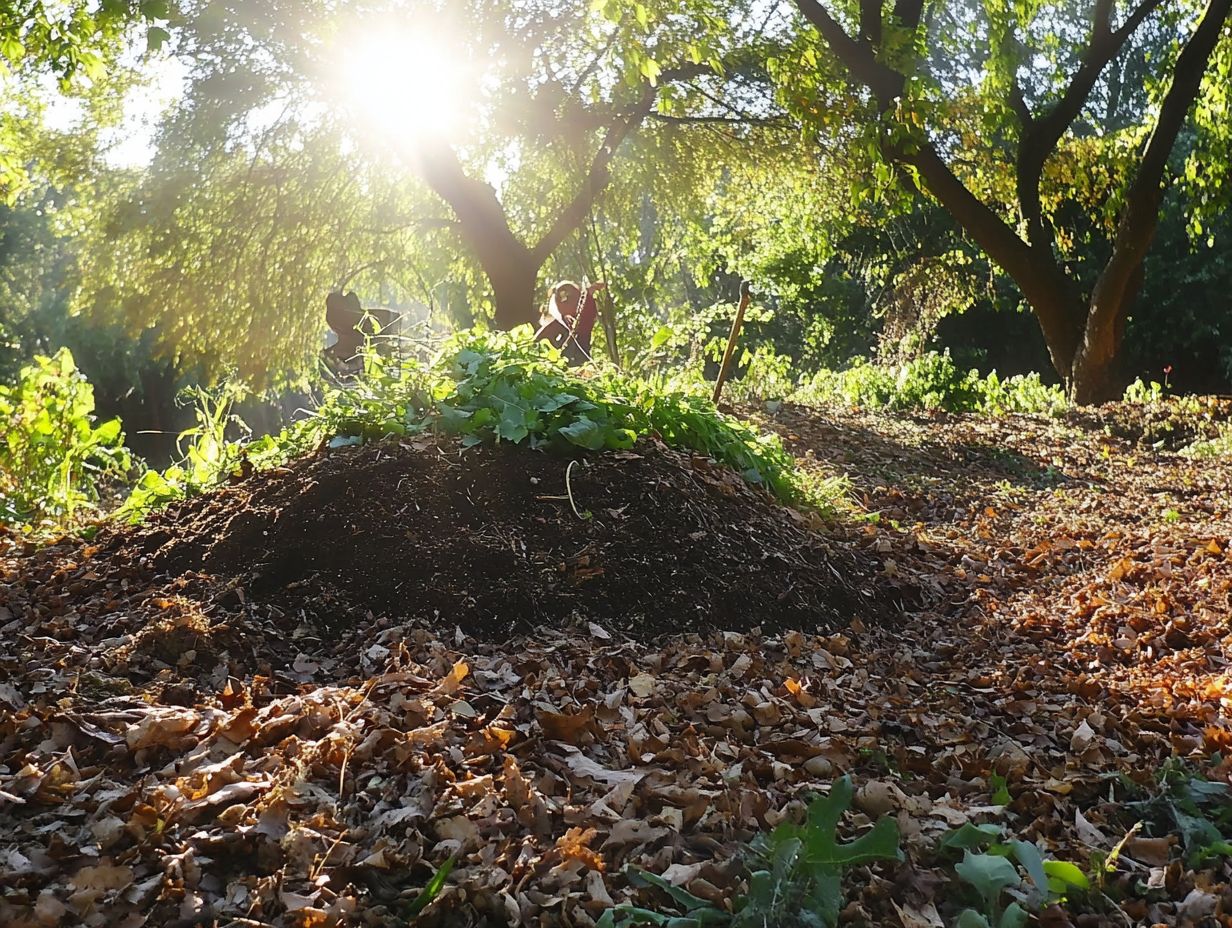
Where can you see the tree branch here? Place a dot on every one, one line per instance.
(1140, 215)
(859, 59)
(740, 120)
(870, 22)
(1042, 135)
(596, 179)
(481, 219)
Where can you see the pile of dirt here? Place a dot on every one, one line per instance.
(289, 567)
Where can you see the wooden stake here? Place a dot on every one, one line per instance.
(725, 367)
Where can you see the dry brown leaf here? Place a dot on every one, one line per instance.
(583, 766)
(569, 727)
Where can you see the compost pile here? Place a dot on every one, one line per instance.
(234, 715)
(300, 563)
(418, 629)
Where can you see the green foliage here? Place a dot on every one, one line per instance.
(1188, 804)
(206, 457)
(1144, 393)
(795, 876)
(53, 457)
(1218, 447)
(69, 40)
(930, 381)
(483, 387)
(991, 867)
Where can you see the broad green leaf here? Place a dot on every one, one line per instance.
(1063, 875)
(969, 918)
(1014, 916)
(684, 898)
(971, 837)
(1030, 857)
(585, 433)
(989, 874)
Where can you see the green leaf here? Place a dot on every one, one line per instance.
(12, 49)
(553, 403)
(1000, 790)
(820, 834)
(154, 9)
(989, 874)
(432, 890)
(1063, 875)
(969, 918)
(1014, 916)
(108, 433)
(620, 439)
(513, 425)
(971, 837)
(155, 38)
(585, 433)
(1030, 857)
(690, 902)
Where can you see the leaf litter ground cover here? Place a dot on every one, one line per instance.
(181, 745)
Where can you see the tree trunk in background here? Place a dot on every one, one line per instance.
(511, 268)
(1083, 335)
(514, 291)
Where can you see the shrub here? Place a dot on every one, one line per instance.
(53, 457)
(1218, 447)
(930, 381)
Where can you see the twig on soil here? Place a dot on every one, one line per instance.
(569, 490)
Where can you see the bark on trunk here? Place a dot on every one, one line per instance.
(511, 268)
(514, 290)
(1083, 336)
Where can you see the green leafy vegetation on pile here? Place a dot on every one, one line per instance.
(931, 381)
(54, 459)
(483, 387)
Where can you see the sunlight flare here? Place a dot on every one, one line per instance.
(406, 86)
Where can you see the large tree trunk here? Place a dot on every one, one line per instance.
(1118, 285)
(514, 291)
(1083, 336)
(511, 268)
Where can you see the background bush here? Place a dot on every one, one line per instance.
(54, 459)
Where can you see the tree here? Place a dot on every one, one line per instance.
(902, 76)
(67, 40)
(587, 79)
(561, 94)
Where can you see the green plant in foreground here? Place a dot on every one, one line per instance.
(991, 867)
(795, 875)
(1198, 809)
(433, 889)
(53, 458)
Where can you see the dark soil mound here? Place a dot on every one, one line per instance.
(304, 562)
(487, 539)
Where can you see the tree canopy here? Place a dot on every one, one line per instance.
(1047, 132)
